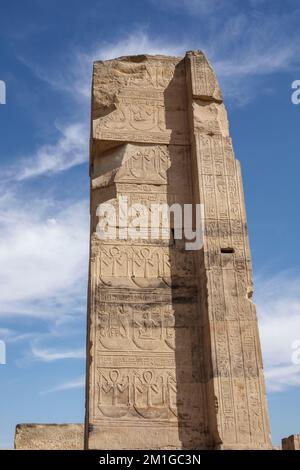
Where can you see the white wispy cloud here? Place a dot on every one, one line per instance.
(10, 335)
(50, 355)
(257, 44)
(278, 305)
(138, 42)
(247, 49)
(43, 256)
(70, 149)
(69, 385)
(281, 378)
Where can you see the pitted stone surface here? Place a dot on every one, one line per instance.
(49, 436)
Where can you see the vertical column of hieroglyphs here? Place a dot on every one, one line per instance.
(145, 383)
(235, 380)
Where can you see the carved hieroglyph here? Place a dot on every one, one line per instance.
(174, 356)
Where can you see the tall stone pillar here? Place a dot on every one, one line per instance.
(173, 353)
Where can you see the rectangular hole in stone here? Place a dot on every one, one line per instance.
(227, 249)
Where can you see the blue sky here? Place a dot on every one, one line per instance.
(47, 48)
